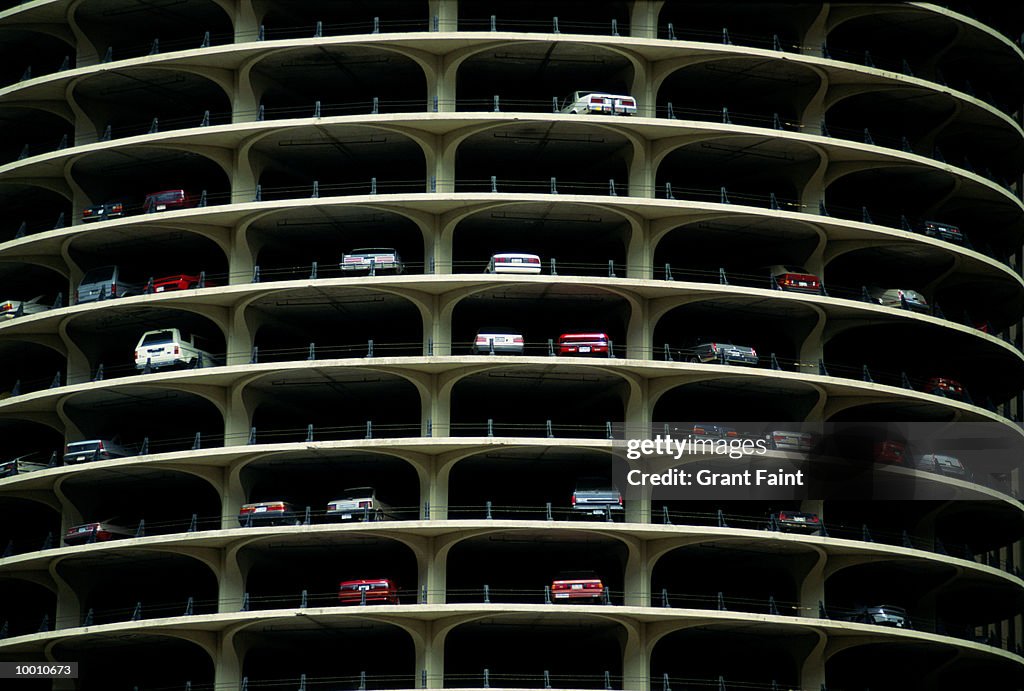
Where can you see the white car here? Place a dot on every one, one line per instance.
(506, 341)
(356, 504)
(599, 102)
(372, 258)
(514, 263)
(9, 308)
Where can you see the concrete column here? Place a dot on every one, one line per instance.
(637, 580)
(639, 333)
(643, 18)
(447, 13)
(245, 21)
(639, 251)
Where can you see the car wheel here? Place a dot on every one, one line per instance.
(695, 359)
(574, 112)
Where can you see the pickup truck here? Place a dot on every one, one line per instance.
(372, 259)
(169, 348)
(596, 496)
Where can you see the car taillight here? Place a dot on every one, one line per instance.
(814, 518)
(783, 516)
(365, 504)
(246, 509)
(533, 260)
(518, 339)
(714, 347)
(596, 100)
(753, 352)
(620, 500)
(6, 306)
(113, 290)
(480, 340)
(628, 102)
(101, 448)
(136, 355)
(117, 208)
(574, 499)
(177, 350)
(86, 212)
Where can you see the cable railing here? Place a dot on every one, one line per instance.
(650, 513)
(392, 596)
(611, 26)
(546, 186)
(374, 106)
(688, 355)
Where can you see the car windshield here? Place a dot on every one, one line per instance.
(103, 273)
(158, 337)
(172, 196)
(83, 446)
(357, 493)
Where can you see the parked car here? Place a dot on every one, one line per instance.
(584, 585)
(944, 386)
(105, 282)
(784, 440)
(795, 278)
(881, 615)
(514, 263)
(162, 348)
(596, 496)
(168, 200)
(900, 297)
(599, 102)
(943, 231)
(9, 309)
(504, 341)
(98, 531)
(797, 522)
(165, 284)
(22, 464)
(94, 450)
(705, 429)
(889, 451)
(941, 464)
(358, 504)
(372, 258)
(269, 513)
(101, 212)
(583, 344)
(377, 591)
(721, 353)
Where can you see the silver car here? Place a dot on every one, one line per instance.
(898, 297)
(722, 353)
(9, 309)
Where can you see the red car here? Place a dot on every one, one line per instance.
(583, 344)
(168, 200)
(583, 587)
(166, 284)
(944, 386)
(378, 590)
(796, 279)
(889, 451)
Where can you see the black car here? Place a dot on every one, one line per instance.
(943, 231)
(797, 522)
